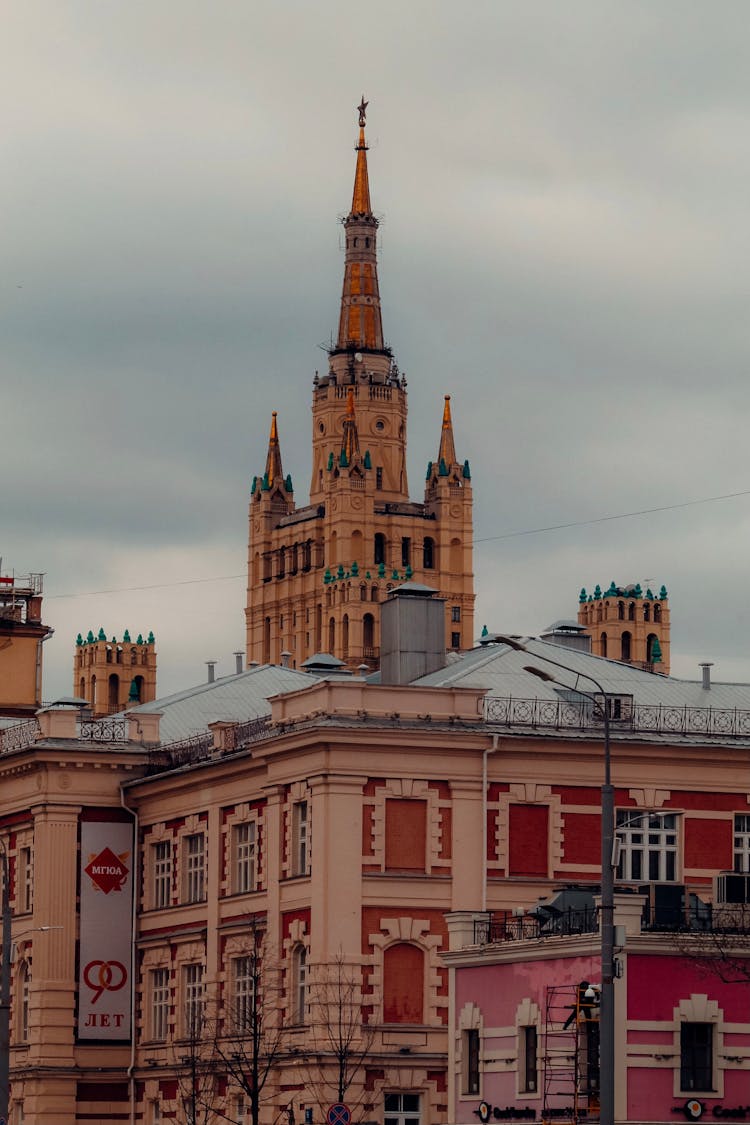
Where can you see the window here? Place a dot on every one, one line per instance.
(159, 1003)
(299, 838)
(455, 613)
(195, 858)
(154, 1113)
(192, 991)
(378, 480)
(379, 556)
(241, 1110)
(403, 984)
(162, 870)
(455, 640)
(742, 843)
(625, 647)
(401, 1109)
(648, 846)
(25, 892)
(243, 847)
(696, 1056)
(299, 984)
(428, 554)
(243, 993)
(471, 1061)
(24, 985)
(527, 1063)
(405, 551)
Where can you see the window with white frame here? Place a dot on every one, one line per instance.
(243, 857)
(161, 870)
(159, 1003)
(192, 999)
(648, 846)
(527, 1058)
(241, 1110)
(401, 1109)
(194, 853)
(243, 979)
(299, 984)
(696, 1057)
(299, 838)
(742, 843)
(25, 891)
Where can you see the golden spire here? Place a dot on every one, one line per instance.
(350, 442)
(274, 471)
(447, 452)
(361, 195)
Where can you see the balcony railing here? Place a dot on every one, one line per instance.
(646, 718)
(18, 736)
(505, 925)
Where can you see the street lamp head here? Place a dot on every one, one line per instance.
(540, 674)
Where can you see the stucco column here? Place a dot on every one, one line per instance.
(467, 862)
(272, 845)
(336, 865)
(213, 876)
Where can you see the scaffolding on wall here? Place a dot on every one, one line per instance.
(570, 1063)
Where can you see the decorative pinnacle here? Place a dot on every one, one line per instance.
(274, 470)
(361, 195)
(447, 452)
(362, 107)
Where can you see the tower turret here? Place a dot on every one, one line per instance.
(114, 675)
(626, 624)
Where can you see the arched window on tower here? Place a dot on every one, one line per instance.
(403, 984)
(603, 644)
(631, 612)
(267, 641)
(374, 594)
(621, 611)
(646, 611)
(318, 626)
(428, 553)
(626, 647)
(332, 635)
(345, 637)
(113, 694)
(651, 640)
(657, 612)
(368, 635)
(379, 555)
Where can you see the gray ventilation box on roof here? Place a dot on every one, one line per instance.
(569, 634)
(412, 634)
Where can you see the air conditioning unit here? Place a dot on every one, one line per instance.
(665, 905)
(732, 887)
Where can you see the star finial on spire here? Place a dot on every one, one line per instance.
(362, 107)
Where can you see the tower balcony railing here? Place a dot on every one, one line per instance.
(645, 718)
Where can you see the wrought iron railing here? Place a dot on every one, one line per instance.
(18, 736)
(504, 925)
(647, 718)
(200, 747)
(103, 730)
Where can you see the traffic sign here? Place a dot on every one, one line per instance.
(339, 1114)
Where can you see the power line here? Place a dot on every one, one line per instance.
(483, 539)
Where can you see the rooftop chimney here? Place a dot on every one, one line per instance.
(707, 665)
(211, 665)
(285, 658)
(412, 634)
(237, 662)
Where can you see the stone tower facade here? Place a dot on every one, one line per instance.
(317, 574)
(626, 624)
(114, 675)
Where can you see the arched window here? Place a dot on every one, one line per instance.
(621, 611)
(356, 549)
(603, 643)
(113, 693)
(282, 562)
(138, 681)
(133, 656)
(307, 555)
(82, 688)
(428, 553)
(631, 612)
(318, 626)
(93, 692)
(657, 612)
(626, 644)
(299, 984)
(374, 594)
(651, 640)
(24, 987)
(267, 641)
(368, 634)
(379, 555)
(363, 592)
(345, 637)
(109, 654)
(403, 984)
(646, 611)
(331, 635)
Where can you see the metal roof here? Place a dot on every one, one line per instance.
(229, 699)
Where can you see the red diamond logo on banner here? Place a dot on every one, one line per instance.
(107, 870)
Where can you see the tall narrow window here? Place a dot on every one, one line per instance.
(648, 846)
(405, 551)
(368, 634)
(625, 647)
(428, 554)
(471, 1061)
(243, 848)
(742, 843)
(528, 1059)
(696, 1056)
(379, 478)
(379, 556)
(331, 634)
(195, 866)
(192, 982)
(455, 613)
(159, 1003)
(299, 984)
(25, 893)
(299, 838)
(161, 857)
(243, 993)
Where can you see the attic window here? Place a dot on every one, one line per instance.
(619, 706)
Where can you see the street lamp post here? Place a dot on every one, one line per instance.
(606, 925)
(5, 990)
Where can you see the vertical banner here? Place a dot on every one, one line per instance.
(104, 985)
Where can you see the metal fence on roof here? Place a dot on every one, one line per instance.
(18, 736)
(647, 718)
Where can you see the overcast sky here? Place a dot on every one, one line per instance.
(565, 248)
